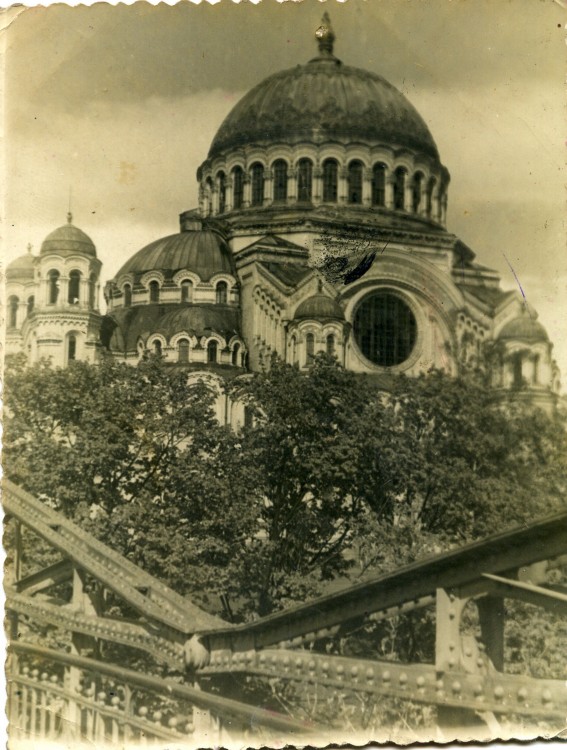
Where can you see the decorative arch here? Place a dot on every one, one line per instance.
(157, 343)
(152, 276)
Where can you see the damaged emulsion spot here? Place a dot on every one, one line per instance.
(340, 270)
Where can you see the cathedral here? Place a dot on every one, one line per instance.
(321, 227)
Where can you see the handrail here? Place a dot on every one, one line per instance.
(144, 592)
(497, 554)
(227, 707)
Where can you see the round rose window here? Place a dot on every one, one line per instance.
(384, 329)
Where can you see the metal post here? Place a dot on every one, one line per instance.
(491, 615)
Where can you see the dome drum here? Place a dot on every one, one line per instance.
(286, 177)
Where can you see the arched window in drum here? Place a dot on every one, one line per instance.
(379, 185)
(53, 287)
(221, 181)
(400, 188)
(330, 180)
(154, 291)
(74, 288)
(304, 180)
(237, 187)
(222, 293)
(183, 350)
(13, 305)
(331, 345)
(309, 348)
(212, 349)
(257, 174)
(186, 291)
(280, 180)
(416, 193)
(355, 182)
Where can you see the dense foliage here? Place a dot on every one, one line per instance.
(331, 479)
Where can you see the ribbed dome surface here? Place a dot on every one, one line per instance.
(68, 240)
(523, 328)
(324, 101)
(203, 251)
(20, 269)
(319, 307)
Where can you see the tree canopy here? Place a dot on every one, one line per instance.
(330, 478)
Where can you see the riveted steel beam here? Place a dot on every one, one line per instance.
(44, 579)
(422, 683)
(141, 636)
(146, 594)
(465, 566)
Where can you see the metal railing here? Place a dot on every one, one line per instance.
(56, 694)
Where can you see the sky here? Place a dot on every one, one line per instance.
(113, 108)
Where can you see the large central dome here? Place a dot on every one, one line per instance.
(324, 100)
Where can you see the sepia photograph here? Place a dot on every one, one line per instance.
(284, 453)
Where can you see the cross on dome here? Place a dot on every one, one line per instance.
(325, 36)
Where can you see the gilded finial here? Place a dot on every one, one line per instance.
(325, 36)
(69, 217)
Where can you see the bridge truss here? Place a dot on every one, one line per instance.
(222, 679)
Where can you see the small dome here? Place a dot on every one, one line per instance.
(68, 240)
(523, 328)
(203, 251)
(21, 269)
(319, 307)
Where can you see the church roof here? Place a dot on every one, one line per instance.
(123, 328)
(319, 307)
(289, 274)
(320, 101)
(21, 269)
(68, 240)
(203, 251)
(523, 328)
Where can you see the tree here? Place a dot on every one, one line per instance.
(306, 442)
(446, 463)
(330, 478)
(136, 456)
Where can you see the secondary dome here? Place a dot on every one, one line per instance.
(21, 269)
(68, 240)
(319, 307)
(203, 251)
(324, 100)
(523, 328)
